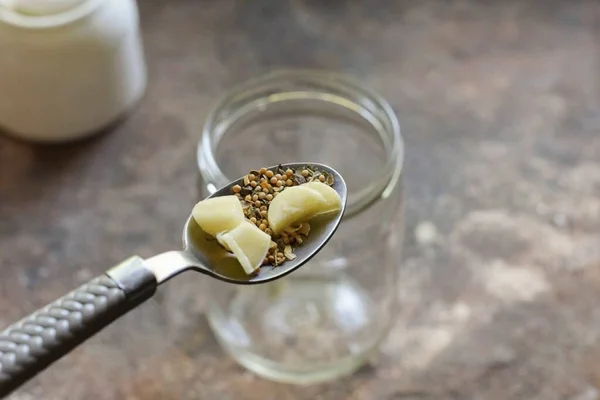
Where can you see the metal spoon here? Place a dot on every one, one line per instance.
(30, 345)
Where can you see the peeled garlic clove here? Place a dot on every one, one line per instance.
(218, 214)
(248, 244)
(333, 201)
(301, 203)
(294, 204)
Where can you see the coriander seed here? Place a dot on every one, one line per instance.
(257, 203)
(273, 180)
(262, 195)
(289, 182)
(253, 220)
(236, 189)
(248, 198)
(322, 178)
(263, 171)
(262, 227)
(255, 197)
(289, 172)
(269, 197)
(304, 173)
(269, 173)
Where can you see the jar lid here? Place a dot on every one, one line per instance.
(40, 7)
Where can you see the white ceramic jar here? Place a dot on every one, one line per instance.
(68, 68)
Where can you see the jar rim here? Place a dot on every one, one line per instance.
(390, 172)
(26, 21)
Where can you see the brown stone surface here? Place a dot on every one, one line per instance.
(499, 103)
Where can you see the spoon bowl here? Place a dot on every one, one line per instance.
(203, 253)
(215, 261)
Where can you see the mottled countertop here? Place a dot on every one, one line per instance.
(499, 103)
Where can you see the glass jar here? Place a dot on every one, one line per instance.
(325, 319)
(68, 68)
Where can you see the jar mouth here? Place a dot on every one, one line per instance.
(61, 18)
(327, 88)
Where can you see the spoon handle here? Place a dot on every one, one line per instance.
(30, 345)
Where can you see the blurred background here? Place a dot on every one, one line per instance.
(499, 106)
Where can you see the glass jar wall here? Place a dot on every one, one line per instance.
(324, 320)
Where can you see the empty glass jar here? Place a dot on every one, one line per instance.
(324, 320)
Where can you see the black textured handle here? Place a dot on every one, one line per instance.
(38, 340)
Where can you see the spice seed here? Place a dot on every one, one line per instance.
(259, 189)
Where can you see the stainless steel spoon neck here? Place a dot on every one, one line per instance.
(165, 266)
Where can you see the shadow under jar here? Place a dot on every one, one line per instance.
(324, 320)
